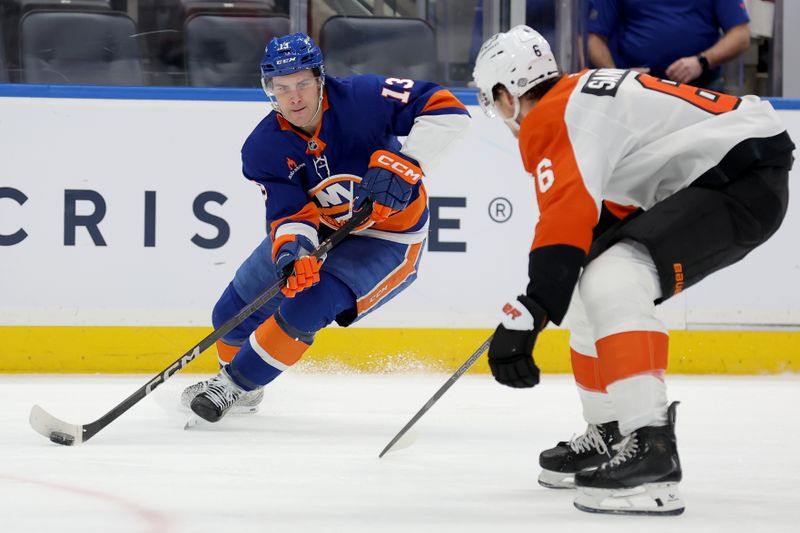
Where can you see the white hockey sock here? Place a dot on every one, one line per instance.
(639, 401)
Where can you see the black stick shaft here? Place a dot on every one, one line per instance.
(89, 430)
(439, 393)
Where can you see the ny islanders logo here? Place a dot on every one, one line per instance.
(334, 196)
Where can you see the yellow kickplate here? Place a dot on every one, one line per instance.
(77, 349)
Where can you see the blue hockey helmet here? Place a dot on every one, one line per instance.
(289, 54)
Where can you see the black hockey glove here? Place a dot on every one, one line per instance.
(511, 349)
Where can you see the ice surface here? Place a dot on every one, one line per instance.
(309, 460)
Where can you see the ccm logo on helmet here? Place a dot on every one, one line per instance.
(409, 172)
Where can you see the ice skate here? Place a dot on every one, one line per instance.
(560, 463)
(220, 395)
(642, 478)
(248, 402)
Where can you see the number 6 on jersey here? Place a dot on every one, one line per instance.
(544, 175)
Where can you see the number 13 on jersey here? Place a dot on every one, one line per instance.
(397, 95)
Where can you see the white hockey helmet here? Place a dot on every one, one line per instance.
(519, 59)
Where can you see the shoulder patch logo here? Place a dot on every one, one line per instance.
(294, 168)
(604, 82)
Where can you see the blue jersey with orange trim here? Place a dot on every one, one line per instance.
(310, 180)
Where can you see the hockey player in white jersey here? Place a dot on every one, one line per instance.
(645, 186)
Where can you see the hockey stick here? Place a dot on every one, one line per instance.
(439, 393)
(62, 432)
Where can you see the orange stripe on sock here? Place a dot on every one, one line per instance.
(390, 282)
(632, 353)
(278, 344)
(225, 352)
(586, 370)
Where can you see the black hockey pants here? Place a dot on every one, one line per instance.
(720, 218)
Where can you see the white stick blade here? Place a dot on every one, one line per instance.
(46, 424)
(406, 441)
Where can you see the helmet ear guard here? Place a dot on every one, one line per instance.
(486, 101)
(518, 59)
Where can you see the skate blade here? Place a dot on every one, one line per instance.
(243, 409)
(662, 499)
(197, 421)
(194, 422)
(556, 480)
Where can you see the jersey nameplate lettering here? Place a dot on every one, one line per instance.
(604, 82)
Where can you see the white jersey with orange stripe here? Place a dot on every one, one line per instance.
(656, 136)
(631, 138)
(624, 137)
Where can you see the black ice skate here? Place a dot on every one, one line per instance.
(248, 402)
(221, 394)
(642, 478)
(560, 463)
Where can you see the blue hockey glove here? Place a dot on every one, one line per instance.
(389, 181)
(511, 349)
(289, 248)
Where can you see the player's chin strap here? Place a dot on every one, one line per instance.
(319, 103)
(511, 122)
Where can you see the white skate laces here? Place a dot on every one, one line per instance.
(247, 403)
(222, 391)
(628, 448)
(591, 439)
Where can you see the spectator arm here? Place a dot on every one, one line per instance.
(731, 45)
(599, 53)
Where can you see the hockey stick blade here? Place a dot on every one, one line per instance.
(439, 393)
(67, 434)
(54, 429)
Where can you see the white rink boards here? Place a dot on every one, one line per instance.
(308, 462)
(173, 218)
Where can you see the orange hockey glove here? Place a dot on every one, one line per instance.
(305, 275)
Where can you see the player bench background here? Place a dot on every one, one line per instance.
(123, 214)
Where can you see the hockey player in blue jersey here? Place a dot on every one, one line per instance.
(329, 146)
